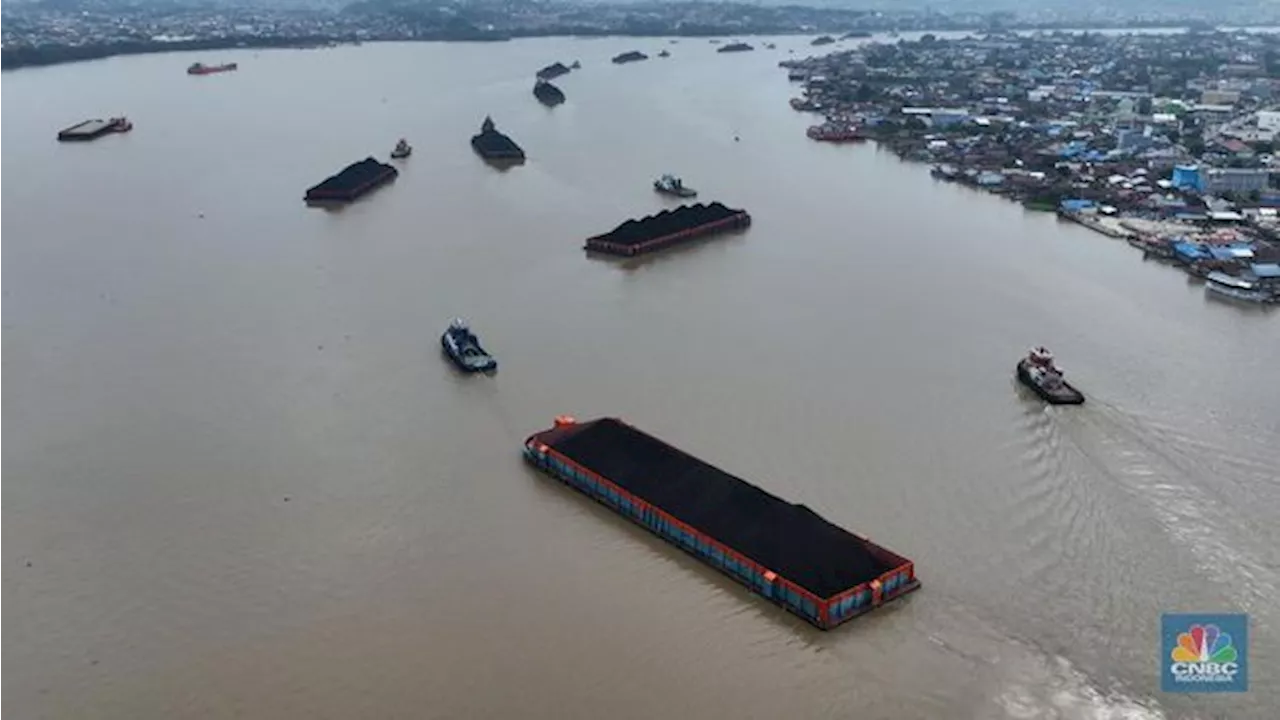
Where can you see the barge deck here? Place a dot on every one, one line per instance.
(784, 552)
(667, 228)
(355, 180)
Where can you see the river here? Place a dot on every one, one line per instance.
(240, 480)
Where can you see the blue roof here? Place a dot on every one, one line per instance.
(1189, 250)
(1266, 270)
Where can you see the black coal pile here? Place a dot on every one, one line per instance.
(553, 71)
(668, 222)
(493, 145)
(353, 179)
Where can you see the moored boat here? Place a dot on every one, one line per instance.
(672, 185)
(1038, 372)
(402, 149)
(463, 348)
(1238, 288)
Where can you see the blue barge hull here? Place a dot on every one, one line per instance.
(783, 552)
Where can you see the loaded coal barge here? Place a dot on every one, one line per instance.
(493, 145)
(94, 129)
(547, 94)
(355, 180)
(632, 56)
(667, 228)
(784, 552)
(553, 71)
(736, 47)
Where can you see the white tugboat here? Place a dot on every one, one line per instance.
(672, 185)
(1038, 372)
(402, 150)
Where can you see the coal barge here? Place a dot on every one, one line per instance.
(669, 227)
(493, 145)
(94, 129)
(736, 47)
(355, 180)
(626, 57)
(547, 94)
(783, 552)
(553, 71)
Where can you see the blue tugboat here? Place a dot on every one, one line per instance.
(463, 348)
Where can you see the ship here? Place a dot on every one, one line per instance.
(664, 54)
(202, 69)
(632, 56)
(1239, 288)
(781, 551)
(835, 132)
(495, 146)
(547, 94)
(735, 47)
(823, 40)
(553, 71)
(463, 348)
(667, 228)
(355, 180)
(402, 149)
(94, 129)
(672, 185)
(1038, 372)
(576, 65)
(856, 35)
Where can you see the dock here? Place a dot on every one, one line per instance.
(783, 552)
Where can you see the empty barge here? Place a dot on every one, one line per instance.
(784, 552)
(355, 180)
(669, 227)
(94, 129)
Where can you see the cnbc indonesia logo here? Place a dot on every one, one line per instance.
(1204, 656)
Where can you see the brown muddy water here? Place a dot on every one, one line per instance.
(239, 479)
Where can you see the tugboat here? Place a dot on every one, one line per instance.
(463, 348)
(672, 185)
(401, 150)
(1038, 372)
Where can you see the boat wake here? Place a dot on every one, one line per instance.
(1175, 477)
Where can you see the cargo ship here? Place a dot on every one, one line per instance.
(202, 69)
(553, 71)
(735, 47)
(493, 145)
(836, 132)
(547, 94)
(784, 552)
(94, 129)
(355, 180)
(1038, 372)
(667, 228)
(626, 57)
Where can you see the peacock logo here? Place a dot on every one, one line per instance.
(1205, 653)
(1204, 644)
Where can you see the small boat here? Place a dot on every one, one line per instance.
(1238, 288)
(576, 65)
(1038, 372)
(664, 53)
(402, 150)
(463, 348)
(672, 185)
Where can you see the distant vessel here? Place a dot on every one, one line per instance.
(1038, 372)
(1238, 288)
(823, 40)
(835, 132)
(463, 348)
(547, 94)
(553, 71)
(402, 150)
(672, 185)
(495, 146)
(202, 69)
(576, 65)
(770, 46)
(664, 53)
(632, 56)
(735, 47)
(94, 129)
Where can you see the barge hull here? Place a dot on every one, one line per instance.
(893, 578)
(604, 244)
(87, 130)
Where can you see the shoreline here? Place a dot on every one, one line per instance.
(48, 56)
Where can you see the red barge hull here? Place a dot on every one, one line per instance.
(783, 552)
